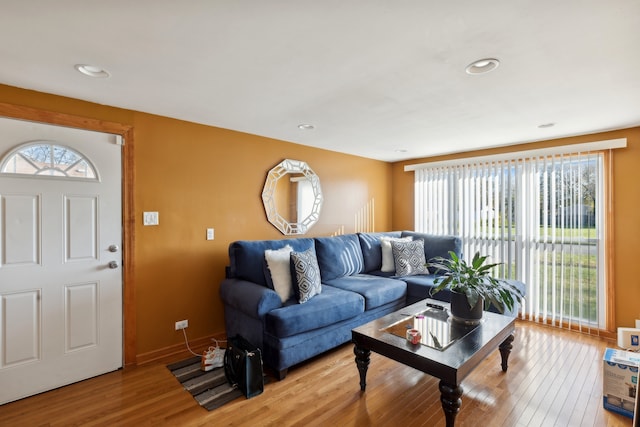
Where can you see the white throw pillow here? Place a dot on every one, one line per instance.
(388, 263)
(279, 262)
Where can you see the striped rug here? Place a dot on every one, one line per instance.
(210, 389)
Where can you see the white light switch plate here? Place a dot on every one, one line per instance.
(210, 234)
(150, 218)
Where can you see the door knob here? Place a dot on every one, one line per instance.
(113, 248)
(113, 264)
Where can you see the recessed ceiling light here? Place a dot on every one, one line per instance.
(400, 150)
(546, 125)
(92, 71)
(306, 126)
(482, 66)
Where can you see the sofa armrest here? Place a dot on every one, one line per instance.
(250, 298)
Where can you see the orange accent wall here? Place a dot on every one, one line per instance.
(626, 208)
(200, 177)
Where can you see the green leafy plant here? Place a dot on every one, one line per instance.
(475, 281)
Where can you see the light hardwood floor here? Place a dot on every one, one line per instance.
(554, 379)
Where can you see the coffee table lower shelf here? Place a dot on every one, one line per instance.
(450, 365)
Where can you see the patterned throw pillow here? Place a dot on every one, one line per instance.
(307, 274)
(409, 258)
(388, 263)
(278, 263)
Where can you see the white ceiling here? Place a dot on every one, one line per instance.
(375, 77)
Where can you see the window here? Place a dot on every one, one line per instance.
(541, 216)
(43, 158)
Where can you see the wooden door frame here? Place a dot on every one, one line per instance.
(128, 210)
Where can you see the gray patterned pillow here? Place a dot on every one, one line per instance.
(307, 275)
(388, 263)
(409, 257)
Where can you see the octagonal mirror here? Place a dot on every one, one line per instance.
(292, 197)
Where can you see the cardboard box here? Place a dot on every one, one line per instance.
(629, 338)
(620, 381)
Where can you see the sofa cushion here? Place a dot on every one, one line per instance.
(419, 287)
(409, 258)
(246, 257)
(339, 256)
(307, 275)
(376, 290)
(384, 274)
(278, 273)
(332, 305)
(370, 245)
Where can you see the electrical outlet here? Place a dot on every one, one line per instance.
(182, 324)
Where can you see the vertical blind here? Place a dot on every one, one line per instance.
(540, 217)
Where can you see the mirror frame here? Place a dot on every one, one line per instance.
(279, 171)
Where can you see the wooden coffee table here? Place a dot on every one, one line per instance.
(448, 351)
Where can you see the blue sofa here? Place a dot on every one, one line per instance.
(354, 291)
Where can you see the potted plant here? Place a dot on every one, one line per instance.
(472, 287)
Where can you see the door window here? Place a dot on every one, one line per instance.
(47, 159)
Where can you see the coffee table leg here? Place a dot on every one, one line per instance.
(362, 361)
(505, 350)
(450, 397)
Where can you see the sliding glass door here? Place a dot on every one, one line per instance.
(542, 217)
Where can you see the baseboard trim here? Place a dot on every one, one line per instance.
(594, 332)
(198, 345)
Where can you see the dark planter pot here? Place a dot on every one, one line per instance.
(462, 313)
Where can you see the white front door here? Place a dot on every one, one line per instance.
(60, 262)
